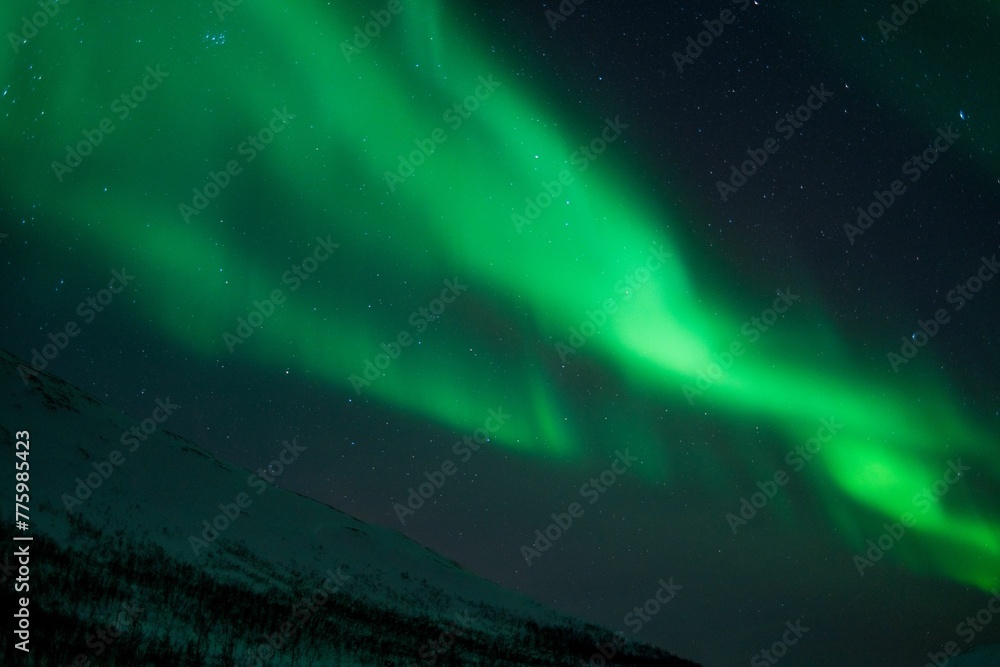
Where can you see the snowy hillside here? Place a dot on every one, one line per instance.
(192, 561)
(984, 656)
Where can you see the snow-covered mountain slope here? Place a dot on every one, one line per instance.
(983, 656)
(227, 569)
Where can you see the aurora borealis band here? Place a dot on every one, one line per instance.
(269, 171)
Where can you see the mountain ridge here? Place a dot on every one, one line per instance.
(179, 530)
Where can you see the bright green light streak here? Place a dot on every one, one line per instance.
(451, 218)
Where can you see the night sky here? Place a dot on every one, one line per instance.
(642, 253)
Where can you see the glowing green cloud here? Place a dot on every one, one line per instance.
(325, 174)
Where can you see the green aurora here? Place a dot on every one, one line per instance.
(324, 175)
